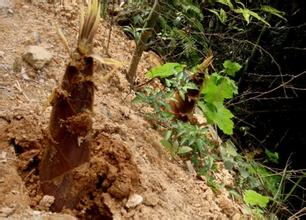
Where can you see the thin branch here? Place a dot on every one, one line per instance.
(270, 91)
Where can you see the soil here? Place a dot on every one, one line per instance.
(127, 160)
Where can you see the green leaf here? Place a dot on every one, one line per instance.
(165, 70)
(194, 9)
(216, 113)
(273, 11)
(253, 198)
(247, 13)
(217, 88)
(272, 157)
(166, 144)
(230, 149)
(227, 3)
(184, 150)
(168, 134)
(222, 16)
(231, 68)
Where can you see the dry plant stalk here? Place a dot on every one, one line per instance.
(69, 134)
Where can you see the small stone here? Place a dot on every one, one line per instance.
(1, 54)
(150, 199)
(5, 4)
(237, 217)
(14, 192)
(6, 211)
(134, 200)
(35, 212)
(17, 65)
(3, 158)
(46, 202)
(37, 56)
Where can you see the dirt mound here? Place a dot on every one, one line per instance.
(129, 176)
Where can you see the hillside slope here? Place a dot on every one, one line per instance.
(126, 148)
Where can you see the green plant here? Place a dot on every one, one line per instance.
(261, 188)
(212, 92)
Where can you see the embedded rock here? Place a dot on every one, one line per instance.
(37, 56)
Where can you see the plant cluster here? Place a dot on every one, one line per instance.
(190, 140)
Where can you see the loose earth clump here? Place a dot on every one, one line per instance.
(111, 171)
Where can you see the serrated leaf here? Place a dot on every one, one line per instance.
(165, 70)
(273, 11)
(184, 150)
(217, 88)
(216, 113)
(231, 68)
(253, 198)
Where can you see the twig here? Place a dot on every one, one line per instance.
(270, 91)
(111, 28)
(17, 85)
(299, 214)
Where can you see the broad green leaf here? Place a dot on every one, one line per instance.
(253, 198)
(226, 2)
(165, 70)
(216, 113)
(217, 88)
(273, 11)
(231, 68)
(184, 150)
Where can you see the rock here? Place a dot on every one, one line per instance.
(37, 56)
(46, 202)
(5, 4)
(5, 7)
(17, 65)
(134, 200)
(6, 211)
(3, 158)
(1, 54)
(150, 199)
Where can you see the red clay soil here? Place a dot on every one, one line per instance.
(126, 156)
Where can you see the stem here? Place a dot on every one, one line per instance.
(146, 33)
